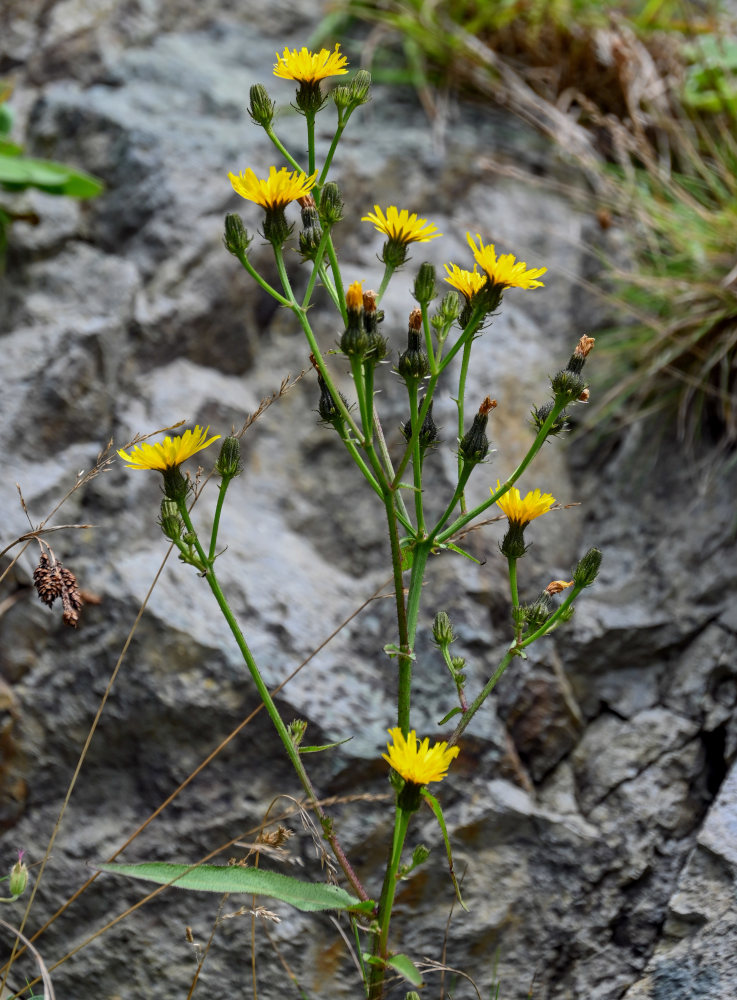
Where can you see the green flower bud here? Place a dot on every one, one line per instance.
(413, 363)
(588, 568)
(327, 408)
(428, 435)
(541, 413)
(567, 385)
(170, 520)
(425, 288)
(342, 97)
(311, 235)
(535, 615)
(262, 107)
(360, 87)
(457, 664)
(331, 205)
(236, 238)
(442, 629)
(18, 877)
(420, 855)
(448, 311)
(474, 445)
(228, 464)
(297, 729)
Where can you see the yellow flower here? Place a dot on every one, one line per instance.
(467, 282)
(275, 191)
(504, 270)
(418, 762)
(521, 511)
(310, 67)
(169, 453)
(354, 296)
(401, 227)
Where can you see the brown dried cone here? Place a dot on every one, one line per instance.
(47, 580)
(70, 598)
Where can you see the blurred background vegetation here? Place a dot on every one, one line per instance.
(641, 98)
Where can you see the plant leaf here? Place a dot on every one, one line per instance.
(435, 806)
(449, 716)
(19, 172)
(305, 896)
(406, 968)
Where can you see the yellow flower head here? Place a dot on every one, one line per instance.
(504, 270)
(521, 511)
(354, 296)
(401, 227)
(310, 67)
(169, 453)
(467, 282)
(418, 762)
(275, 191)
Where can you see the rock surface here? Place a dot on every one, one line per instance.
(594, 806)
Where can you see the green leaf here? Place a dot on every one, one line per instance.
(305, 896)
(392, 650)
(325, 746)
(435, 806)
(406, 968)
(449, 716)
(20, 172)
(462, 552)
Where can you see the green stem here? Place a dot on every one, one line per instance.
(282, 149)
(224, 484)
(268, 702)
(242, 257)
(483, 695)
(460, 403)
(405, 661)
(337, 278)
(310, 120)
(388, 272)
(416, 456)
(388, 891)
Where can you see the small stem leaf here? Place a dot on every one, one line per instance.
(451, 713)
(435, 806)
(305, 896)
(406, 968)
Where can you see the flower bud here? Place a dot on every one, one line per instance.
(327, 407)
(261, 108)
(425, 288)
(428, 432)
(535, 615)
(419, 856)
(588, 568)
(341, 95)
(360, 87)
(297, 729)
(331, 205)
(474, 444)
(567, 385)
(457, 664)
(170, 520)
(448, 311)
(236, 238)
(442, 629)
(541, 413)
(355, 340)
(228, 464)
(18, 877)
(413, 363)
(311, 234)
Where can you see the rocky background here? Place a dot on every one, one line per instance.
(594, 806)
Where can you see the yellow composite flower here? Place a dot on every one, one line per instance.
(401, 227)
(505, 269)
(169, 453)
(418, 762)
(275, 191)
(310, 67)
(467, 282)
(521, 511)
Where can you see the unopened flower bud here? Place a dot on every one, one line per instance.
(228, 464)
(413, 363)
(261, 108)
(535, 615)
(341, 95)
(236, 238)
(425, 288)
(327, 407)
(297, 729)
(541, 413)
(457, 664)
(311, 234)
(18, 877)
(449, 309)
(428, 432)
(442, 629)
(419, 856)
(331, 205)
(567, 385)
(378, 348)
(474, 445)
(360, 87)
(588, 568)
(170, 521)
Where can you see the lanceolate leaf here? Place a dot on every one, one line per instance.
(435, 806)
(19, 172)
(406, 968)
(306, 896)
